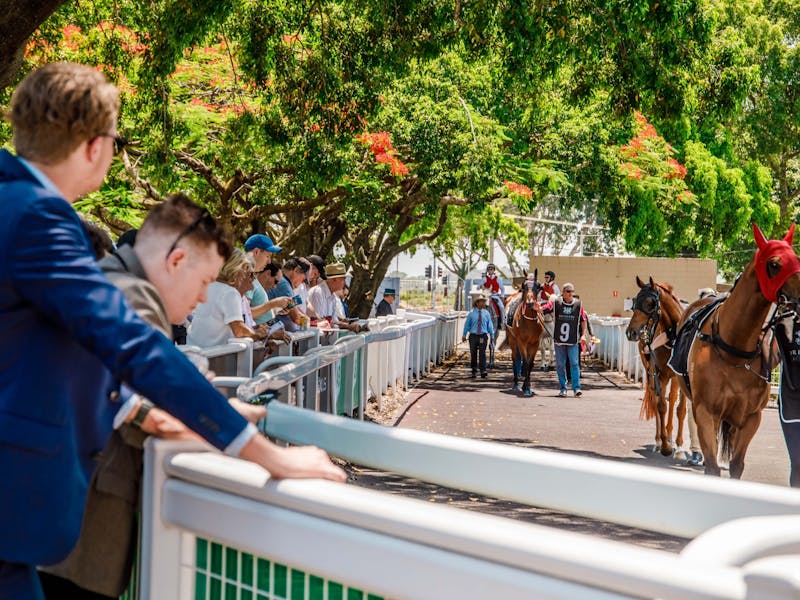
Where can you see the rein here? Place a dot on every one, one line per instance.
(649, 333)
(779, 313)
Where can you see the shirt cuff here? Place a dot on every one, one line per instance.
(126, 409)
(240, 441)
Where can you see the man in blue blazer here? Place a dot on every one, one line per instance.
(59, 315)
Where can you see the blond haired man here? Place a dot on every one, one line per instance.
(60, 315)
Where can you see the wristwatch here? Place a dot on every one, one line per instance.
(141, 414)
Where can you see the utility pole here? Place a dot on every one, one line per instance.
(433, 284)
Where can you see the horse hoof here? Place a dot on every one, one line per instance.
(527, 393)
(517, 387)
(666, 452)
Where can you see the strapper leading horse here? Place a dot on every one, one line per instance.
(524, 334)
(728, 365)
(654, 323)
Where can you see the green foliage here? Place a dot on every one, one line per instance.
(267, 112)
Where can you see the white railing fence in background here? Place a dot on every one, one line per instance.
(338, 371)
(614, 348)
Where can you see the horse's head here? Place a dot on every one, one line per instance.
(777, 267)
(530, 290)
(646, 307)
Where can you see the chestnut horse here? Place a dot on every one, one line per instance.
(524, 335)
(728, 369)
(656, 313)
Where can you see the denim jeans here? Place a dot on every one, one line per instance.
(571, 353)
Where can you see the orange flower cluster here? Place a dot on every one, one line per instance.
(631, 170)
(127, 37)
(519, 189)
(643, 147)
(678, 170)
(380, 144)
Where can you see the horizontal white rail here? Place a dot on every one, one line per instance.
(661, 500)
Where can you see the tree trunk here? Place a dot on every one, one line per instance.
(19, 21)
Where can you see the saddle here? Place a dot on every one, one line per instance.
(512, 310)
(684, 337)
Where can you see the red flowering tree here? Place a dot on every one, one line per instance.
(653, 192)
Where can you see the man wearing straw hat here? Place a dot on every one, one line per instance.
(322, 298)
(478, 326)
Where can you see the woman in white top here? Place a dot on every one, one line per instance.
(220, 317)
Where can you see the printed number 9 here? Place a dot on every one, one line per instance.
(564, 332)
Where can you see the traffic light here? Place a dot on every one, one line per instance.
(444, 280)
(438, 271)
(428, 271)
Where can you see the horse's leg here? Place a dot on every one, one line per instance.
(707, 430)
(741, 441)
(527, 365)
(517, 361)
(681, 413)
(666, 381)
(666, 446)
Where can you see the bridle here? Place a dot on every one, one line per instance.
(529, 286)
(653, 314)
(648, 330)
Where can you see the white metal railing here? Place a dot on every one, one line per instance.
(615, 349)
(357, 366)
(326, 529)
(746, 536)
(396, 350)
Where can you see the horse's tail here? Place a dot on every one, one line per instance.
(649, 404)
(725, 447)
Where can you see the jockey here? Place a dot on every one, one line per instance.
(546, 347)
(491, 283)
(549, 287)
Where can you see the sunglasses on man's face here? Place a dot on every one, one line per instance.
(205, 218)
(119, 141)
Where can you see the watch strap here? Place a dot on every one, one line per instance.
(141, 414)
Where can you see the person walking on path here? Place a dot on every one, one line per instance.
(61, 316)
(478, 326)
(787, 333)
(570, 330)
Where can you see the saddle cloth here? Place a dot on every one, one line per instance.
(512, 310)
(679, 359)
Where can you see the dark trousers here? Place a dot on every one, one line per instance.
(19, 582)
(477, 351)
(791, 433)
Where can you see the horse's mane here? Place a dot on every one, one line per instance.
(669, 290)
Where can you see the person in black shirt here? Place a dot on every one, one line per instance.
(385, 306)
(787, 334)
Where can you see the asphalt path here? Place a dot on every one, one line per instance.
(604, 423)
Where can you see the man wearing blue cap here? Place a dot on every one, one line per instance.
(385, 306)
(259, 248)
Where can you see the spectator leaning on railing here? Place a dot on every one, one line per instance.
(162, 292)
(60, 316)
(259, 249)
(220, 317)
(322, 298)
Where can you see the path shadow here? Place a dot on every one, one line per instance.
(413, 488)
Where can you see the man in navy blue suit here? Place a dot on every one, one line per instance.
(59, 315)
